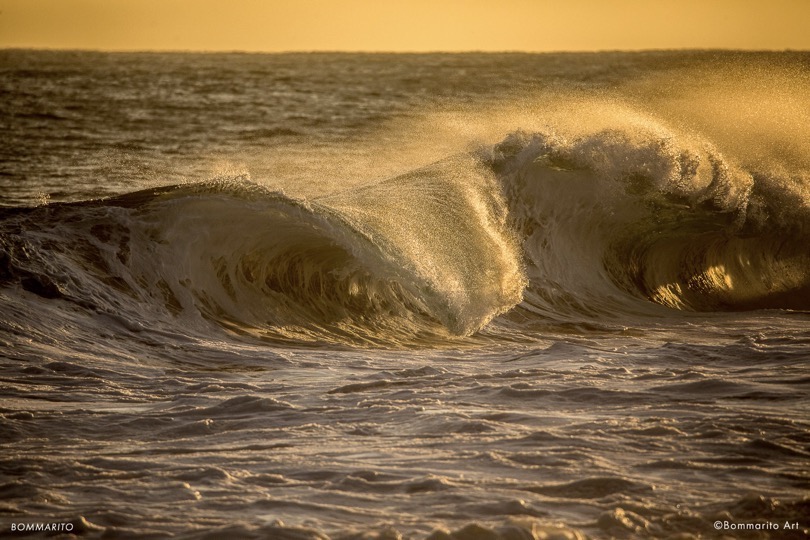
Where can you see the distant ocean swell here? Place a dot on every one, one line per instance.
(620, 222)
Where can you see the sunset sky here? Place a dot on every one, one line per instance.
(404, 25)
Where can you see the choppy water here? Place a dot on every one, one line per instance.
(447, 296)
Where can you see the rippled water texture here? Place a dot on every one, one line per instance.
(471, 296)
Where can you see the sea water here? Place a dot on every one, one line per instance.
(464, 296)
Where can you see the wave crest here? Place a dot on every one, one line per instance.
(647, 213)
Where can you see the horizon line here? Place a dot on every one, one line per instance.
(390, 52)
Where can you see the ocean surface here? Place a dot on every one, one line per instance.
(379, 296)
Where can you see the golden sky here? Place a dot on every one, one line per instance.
(404, 25)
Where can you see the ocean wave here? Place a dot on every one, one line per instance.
(627, 221)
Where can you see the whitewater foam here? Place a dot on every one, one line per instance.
(653, 213)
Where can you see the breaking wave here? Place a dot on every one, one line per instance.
(620, 222)
(619, 216)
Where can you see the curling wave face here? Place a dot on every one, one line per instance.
(619, 222)
(388, 264)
